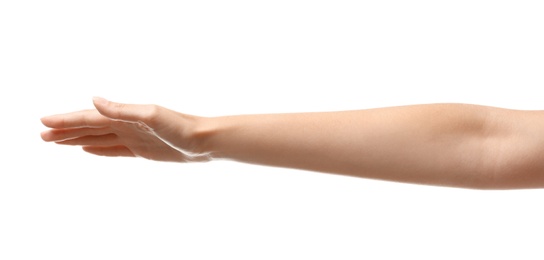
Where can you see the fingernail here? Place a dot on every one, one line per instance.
(99, 100)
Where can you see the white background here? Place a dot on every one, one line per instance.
(213, 58)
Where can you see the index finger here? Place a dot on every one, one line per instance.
(84, 118)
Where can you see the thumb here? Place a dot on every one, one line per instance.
(124, 112)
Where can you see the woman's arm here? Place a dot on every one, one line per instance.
(455, 145)
(436, 144)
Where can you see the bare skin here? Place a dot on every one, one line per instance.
(455, 145)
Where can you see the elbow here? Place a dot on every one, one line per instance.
(513, 171)
(511, 151)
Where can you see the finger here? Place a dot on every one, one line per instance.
(127, 112)
(56, 135)
(85, 118)
(101, 140)
(118, 150)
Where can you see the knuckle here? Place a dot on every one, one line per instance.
(151, 114)
(118, 109)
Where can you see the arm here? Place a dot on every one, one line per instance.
(436, 144)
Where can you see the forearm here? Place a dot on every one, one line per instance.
(443, 144)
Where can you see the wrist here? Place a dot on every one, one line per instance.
(205, 136)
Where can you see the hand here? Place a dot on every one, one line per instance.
(114, 129)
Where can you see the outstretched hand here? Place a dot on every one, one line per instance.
(458, 145)
(114, 129)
